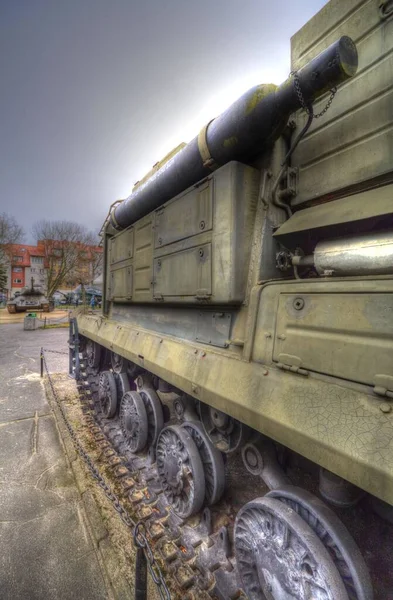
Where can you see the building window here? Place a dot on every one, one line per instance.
(17, 281)
(38, 260)
(17, 269)
(42, 271)
(33, 270)
(17, 258)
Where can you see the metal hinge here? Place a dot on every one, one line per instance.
(202, 294)
(292, 369)
(290, 190)
(287, 362)
(383, 385)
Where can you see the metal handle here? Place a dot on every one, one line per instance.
(386, 9)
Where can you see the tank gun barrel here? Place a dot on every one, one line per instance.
(247, 128)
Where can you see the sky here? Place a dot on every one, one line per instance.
(94, 92)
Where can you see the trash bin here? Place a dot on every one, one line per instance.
(30, 321)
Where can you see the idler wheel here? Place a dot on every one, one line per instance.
(133, 420)
(154, 412)
(180, 470)
(212, 460)
(225, 433)
(334, 536)
(107, 394)
(279, 557)
(93, 354)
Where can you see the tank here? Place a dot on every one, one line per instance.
(242, 362)
(32, 298)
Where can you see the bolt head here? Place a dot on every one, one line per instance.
(298, 303)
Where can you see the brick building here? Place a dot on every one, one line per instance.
(25, 262)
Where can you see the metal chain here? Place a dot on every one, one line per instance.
(140, 538)
(302, 101)
(140, 541)
(53, 352)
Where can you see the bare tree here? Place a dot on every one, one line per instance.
(3, 277)
(96, 264)
(10, 231)
(67, 249)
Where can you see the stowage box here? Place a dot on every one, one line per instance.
(193, 249)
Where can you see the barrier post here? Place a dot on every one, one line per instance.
(140, 575)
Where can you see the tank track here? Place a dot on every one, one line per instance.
(197, 555)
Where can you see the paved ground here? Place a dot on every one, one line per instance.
(56, 316)
(46, 551)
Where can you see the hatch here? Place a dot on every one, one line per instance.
(346, 335)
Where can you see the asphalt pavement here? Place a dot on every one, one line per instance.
(46, 550)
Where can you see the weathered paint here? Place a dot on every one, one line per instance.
(259, 94)
(232, 141)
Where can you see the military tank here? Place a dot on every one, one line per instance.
(31, 298)
(244, 353)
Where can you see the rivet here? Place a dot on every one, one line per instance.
(385, 407)
(203, 354)
(268, 334)
(281, 336)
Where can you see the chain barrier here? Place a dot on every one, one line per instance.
(140, 540)
(304, 105)
(139, 536)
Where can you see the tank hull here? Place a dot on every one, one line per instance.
(317, 415)
(14, 308)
